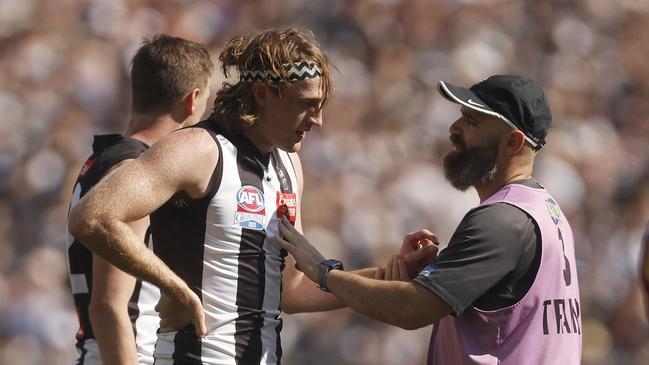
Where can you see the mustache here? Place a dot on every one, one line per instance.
(457, 140)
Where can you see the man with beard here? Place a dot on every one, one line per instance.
(505, 289)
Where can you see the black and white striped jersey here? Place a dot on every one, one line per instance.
(218, 245)
(108, 151)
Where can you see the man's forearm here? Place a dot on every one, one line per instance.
(376, 299)
(114, 335)
(402, 304)
(112, 290)
(115, 242)
(306, 296)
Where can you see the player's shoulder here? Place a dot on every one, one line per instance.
(194, 139)
(498, 217)
(501, 229)
(111, 150)
(124, 147)
(189, 153)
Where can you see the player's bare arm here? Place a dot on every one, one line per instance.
(415, 305)
(108, 312)
(135, 191)
(376, 299)
(299, 294)
(108, 308)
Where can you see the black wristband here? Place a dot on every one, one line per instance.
(325, 267)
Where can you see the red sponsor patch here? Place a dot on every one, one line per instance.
(287, 205)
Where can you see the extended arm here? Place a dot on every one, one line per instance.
(136, 190)
(299, 294)
(404, 304)
(108, 312)
(108, 308)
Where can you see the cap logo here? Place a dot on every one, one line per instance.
(470, 101)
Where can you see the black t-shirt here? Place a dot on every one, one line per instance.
(491, 260)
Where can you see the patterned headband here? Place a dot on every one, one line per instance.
(297, 71)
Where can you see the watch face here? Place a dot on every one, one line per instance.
(333, 264)
(325, 267)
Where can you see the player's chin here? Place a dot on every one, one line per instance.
(292, 147)
(454, 153)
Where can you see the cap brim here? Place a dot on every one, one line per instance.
(463, 96)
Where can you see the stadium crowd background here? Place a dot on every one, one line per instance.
(371, 174)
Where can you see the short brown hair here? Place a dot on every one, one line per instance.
(268, 50)
(165, 69)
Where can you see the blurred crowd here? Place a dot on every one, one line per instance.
(372, 173)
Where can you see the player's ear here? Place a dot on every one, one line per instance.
(260, 93)
(514, 142)
(191, 101)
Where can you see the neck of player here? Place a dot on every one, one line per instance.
(149, 129)
(504, 175)
(258, 137)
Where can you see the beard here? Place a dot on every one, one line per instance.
(471, 166)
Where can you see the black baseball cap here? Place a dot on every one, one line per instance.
(517, 100)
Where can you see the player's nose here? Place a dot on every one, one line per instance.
(455, 128)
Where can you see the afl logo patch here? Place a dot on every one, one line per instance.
(250, 199)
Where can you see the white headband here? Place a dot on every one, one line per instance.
(297, 71)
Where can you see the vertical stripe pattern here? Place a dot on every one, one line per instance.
(286, 186)
(252, 271)
(240, 270)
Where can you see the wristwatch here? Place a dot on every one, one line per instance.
(325, 267)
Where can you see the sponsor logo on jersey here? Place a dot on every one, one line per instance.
(288, 200)
(250, 199)
(428, 270)
(553, 209)
(283, 180)
(250, 208)
(250, 220)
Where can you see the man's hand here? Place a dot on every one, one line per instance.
(394, 270)
(418, 250)
(178, 313)
(307, 258)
